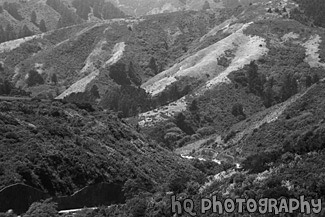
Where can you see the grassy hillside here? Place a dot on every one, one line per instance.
(123, 52)
(237, 92)
(19, 19)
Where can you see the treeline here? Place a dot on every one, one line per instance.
(8, 33)
(42, 25)
(273, 90)
(101, 9)
(68, 17)
(8, 89)
(177, 90)
(12, 9)
(313, 9)
(127, 100)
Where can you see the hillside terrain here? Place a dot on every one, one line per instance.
(61, 148)
(193, 98)
(22, 18)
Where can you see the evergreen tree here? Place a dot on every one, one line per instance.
(237, 109)
(180, 121)
(206, 6)
(42, 26)
(153, 65)
(268, 96)
(12, 9)
(83, 8)
(25, 32)
(94, 92)
(5, 87)
(34, 78)
(133, 75)
(10, 33)
(33, 17)
(315, 78)
(54, 78)
(2, 35)
(289, 86)
(255, 81)
(308, 81)
(193, 106)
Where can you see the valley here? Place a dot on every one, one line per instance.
(144, 100)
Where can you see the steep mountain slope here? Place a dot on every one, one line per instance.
(145, 7)
(108, 54)
(237, 91)
(236, 52)
(24, 18)
(60, 148)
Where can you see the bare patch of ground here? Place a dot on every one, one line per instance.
(80, 86)
(312, 48)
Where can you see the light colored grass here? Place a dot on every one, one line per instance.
(81, 85)
(312, 48)
(10, 45)
(246, 49)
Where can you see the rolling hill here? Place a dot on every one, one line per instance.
(235, 88)
(21, 18)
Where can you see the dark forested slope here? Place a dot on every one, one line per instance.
(60, 148)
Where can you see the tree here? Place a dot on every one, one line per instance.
(2, 35)
(206, 6)
(25, 32)
(255, 81)
(137, 206)
(12, 9)
(237, 109)
(6, 87)
(34, 78)
(153, 65)
(308, 81)
(83, 8)
(54, 79)
(180, 121)
(276, 10)
(42, 26)
(97, 9)
(94, 91)
(289, 86)
(193, 106)
(44, 209)
(315, 78)
(268, 96)
(10, 33)
(133, 75)
(33, 17)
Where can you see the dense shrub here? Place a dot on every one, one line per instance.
(34, 78)
(44, 209)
